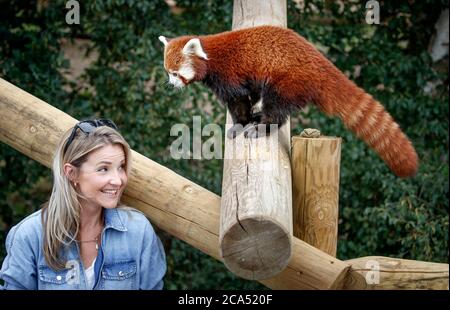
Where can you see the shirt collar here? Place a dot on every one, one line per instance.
(114, 220)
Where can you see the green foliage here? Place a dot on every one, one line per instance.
(380, 214)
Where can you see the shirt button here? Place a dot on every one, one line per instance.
(58, 278)
(120, 273)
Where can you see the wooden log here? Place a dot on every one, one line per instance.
(172, 202)
(256, 210)
(385, 273)
(315, 169)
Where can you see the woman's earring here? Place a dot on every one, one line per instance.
(75, 184)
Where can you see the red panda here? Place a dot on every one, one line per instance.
(281, 71)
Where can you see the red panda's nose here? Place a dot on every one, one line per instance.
(185, 81)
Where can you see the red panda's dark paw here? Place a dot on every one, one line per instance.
(254, 131)
(235, 130)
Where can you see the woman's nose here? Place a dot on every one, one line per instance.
(116, 179)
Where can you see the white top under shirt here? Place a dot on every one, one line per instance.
(90, 276)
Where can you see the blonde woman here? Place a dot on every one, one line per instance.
(83, 238)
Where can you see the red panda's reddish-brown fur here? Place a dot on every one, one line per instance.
(299, 74)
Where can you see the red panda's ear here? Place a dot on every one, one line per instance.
(194, 47)
(164, 40)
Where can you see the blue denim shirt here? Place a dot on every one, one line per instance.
(131, 256)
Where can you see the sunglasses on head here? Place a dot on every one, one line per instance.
(87, 127)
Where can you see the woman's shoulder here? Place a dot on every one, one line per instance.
(28, 228)
(31, 222)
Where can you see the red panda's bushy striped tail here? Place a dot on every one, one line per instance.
(369, 120)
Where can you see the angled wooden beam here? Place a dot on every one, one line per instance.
(181, 207)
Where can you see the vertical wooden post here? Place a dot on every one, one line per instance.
(315, 170)
(256, 207)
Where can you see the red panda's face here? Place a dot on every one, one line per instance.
(179, 59)
(178, 66)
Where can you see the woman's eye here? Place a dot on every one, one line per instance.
(102, 169)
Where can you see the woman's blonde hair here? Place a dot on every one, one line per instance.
(61, 215)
